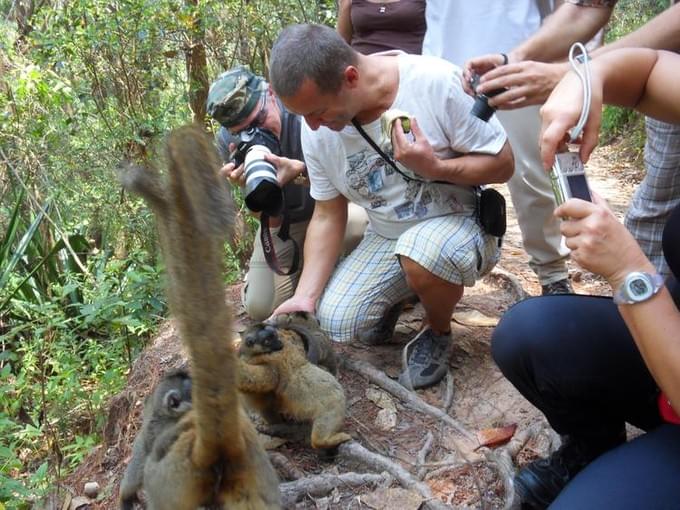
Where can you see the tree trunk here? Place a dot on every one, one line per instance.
(197, 66)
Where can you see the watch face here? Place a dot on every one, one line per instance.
(639, 288)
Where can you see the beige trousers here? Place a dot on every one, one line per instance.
(263, 289)
(532, 196)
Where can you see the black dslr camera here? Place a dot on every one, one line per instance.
(481, 108)
(262, 190)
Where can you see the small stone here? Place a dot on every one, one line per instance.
(91, 489)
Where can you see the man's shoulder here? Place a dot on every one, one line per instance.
(429, 64)
(428, 74)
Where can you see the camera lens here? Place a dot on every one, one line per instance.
(262, 191)
(481, 108)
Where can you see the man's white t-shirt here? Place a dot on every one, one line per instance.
(458, 30)
(344, 163)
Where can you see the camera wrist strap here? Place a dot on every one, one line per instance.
(284, 235)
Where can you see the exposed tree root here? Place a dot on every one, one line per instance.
(357, 453)
(285, 467)
(422, 456)
(320, 485)
(511, 280)
(409, 398)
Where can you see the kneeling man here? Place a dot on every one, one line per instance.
(424, 238)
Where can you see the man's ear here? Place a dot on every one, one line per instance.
(351, 76)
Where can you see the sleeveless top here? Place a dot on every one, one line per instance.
(388, 25)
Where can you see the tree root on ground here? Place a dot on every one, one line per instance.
(504, 460)
(355, 452)
(408, 398)
(320, 485)
(512, 281)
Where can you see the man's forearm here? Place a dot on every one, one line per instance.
(476, 169)
(323, 243)
(568, 24)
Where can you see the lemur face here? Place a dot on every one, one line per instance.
(261, 338)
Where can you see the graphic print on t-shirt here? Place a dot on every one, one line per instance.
(375, 182)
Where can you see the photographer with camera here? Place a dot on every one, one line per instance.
(592, 364)
(427, 235)
(458, 30)
(534, 66)
(260, 143)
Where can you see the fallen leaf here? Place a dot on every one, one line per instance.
(474, 318)
(386, 419)
(381, 399)
(496, 436)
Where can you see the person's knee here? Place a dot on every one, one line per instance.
(515, 336)
(343, 321)
(258, 306)
(417, 277)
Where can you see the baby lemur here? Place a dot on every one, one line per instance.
(210, 456)
(170, 400)
(279, 380)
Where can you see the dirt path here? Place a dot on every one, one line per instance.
(382, 422)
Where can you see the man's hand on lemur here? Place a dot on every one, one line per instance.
(296, 304)
(286, 169)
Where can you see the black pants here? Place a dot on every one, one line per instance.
(574, 359)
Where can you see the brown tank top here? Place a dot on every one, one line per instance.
(388, 25)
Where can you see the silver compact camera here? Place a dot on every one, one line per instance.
(568, 178)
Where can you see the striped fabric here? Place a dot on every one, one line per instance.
(370, 280)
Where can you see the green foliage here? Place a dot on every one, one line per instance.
(85, 84)
(618, 122)
(63, 360)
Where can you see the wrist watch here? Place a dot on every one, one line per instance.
(638, 287)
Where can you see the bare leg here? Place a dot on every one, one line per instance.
(438, 296)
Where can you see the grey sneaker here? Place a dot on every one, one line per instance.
(425, 360)
(559, 287)
(383, 331)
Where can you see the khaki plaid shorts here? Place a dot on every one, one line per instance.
(370, 280)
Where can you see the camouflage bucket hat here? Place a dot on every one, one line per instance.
(233, 95)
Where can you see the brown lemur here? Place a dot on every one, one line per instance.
(278, 380)
(210, 457)
(317, 345)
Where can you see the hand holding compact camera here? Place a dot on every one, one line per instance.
(568, 178)
(567, 175)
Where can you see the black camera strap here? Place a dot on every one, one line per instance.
(284, 235)
(387, 158)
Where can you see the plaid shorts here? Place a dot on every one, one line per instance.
(370, 280)
(659, 192)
